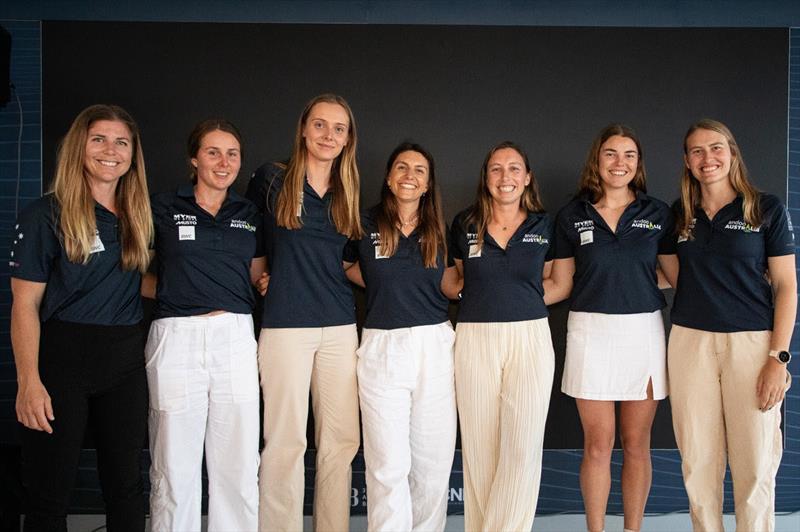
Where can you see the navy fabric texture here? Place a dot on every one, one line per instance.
(98, 292)
(204, 260)
(615, 271)
(722, 285)
(308, 286)
(502, 285)
(401, 291)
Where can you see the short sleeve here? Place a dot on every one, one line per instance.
(667, 244)
(457, 236)
(779, 237)
(260, 189)
(350, 251)
(551, 248)
(35, 244)
(562, 247)
(448, 238)
(259, 219)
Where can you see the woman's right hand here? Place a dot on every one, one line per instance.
(34, 408)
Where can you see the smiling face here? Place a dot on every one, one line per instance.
(708, 156)
(108, 153)
(217, 160)
(617, 161)
(506, 176)
(326, 131)
(409, 176)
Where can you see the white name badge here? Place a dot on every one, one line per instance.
(378, 254)
(185, 232)
(474, 251)
(587, 237)
(97, 245)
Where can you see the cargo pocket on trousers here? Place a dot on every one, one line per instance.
(168, 389)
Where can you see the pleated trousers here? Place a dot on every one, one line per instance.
(504, 375)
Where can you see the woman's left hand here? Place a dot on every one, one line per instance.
(771, 385)
(262, 283)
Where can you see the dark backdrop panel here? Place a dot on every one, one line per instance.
(457, 90)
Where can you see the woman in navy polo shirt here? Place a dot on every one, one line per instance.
(732, 321)
(309, 339)
(609, 240)
(201, 351)
(405, 362)
(76, 265)
(503, 355)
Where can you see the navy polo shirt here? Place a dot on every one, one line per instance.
(401, 291)
(721, 284)
(308, 286)
(502, 285)
(615, 272)
(98, 292)
(204, 260)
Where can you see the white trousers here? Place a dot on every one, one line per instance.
(408, 411)
(203, 379)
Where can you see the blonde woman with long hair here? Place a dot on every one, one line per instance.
(732, 322)
(308, 337)
(76, 265)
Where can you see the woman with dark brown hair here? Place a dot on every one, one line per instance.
(201, 351)
(405, 362)
(609, 240)
(503, 354)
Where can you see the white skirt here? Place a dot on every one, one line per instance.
(612, 357)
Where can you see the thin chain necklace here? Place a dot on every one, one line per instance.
(410, 222)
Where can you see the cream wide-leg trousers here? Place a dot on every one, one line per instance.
(408, 413)
(716, 419)
(504, 375)
(292, 361)
(203, 381)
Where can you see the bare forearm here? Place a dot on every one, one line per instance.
(25, 328)
(785, 312)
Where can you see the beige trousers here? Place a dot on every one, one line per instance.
(504, 374)
(717, 420)
(290, 362)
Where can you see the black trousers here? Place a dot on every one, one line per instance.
(94, 375)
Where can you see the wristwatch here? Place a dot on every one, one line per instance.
(784, 357)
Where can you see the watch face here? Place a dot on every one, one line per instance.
(784, 356)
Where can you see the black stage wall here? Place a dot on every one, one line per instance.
(457, 90)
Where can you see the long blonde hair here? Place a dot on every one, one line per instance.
(480, 214)
(344, 177)
(430, 218)
(74, 196)
(691, 194)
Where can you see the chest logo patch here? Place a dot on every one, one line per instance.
(741, 225)
(474, 248)
(587, 237)
(534, 238)
(376, 241)
(645, 224)
(184, 219)
(185, 232)
(243, 224)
